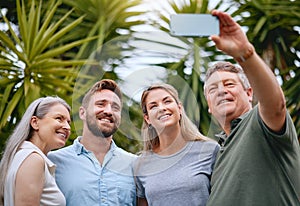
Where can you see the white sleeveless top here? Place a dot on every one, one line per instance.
(51, 195)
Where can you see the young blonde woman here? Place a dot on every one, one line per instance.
(176, 164)
(26, 174)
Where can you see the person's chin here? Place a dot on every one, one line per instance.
(107, 133)
(224, 113)
(226, 108)
(60, 144)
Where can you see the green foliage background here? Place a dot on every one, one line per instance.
(61, 47)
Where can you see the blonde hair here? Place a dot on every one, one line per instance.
(23, 131)
(188, 129)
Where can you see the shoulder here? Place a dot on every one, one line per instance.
(30, 177)
(209, 144)
(60, 155)
(121, 151)
(208, 147)
(288, 134)
(125, 154)
(30, 153)
(61, 151)
(142, 156)
(33, 162)
(35, 158)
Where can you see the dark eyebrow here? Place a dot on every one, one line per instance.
(62, 116)
(230, 79)
(151, 103)
(223, 80)
(167, 97)
(100, 100)
(105, 101)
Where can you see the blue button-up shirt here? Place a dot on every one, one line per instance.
(85, 182)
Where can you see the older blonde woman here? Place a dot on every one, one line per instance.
(26, 174)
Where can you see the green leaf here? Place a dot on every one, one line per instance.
(10, 106)
(260, 24)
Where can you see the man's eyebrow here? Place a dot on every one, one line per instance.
(230, 79)
(100, 100)
(213, 83)
(222, 80)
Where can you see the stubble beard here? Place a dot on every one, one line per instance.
(97, 130)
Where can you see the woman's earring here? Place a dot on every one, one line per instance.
(150, 126)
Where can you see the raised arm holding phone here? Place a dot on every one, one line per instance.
(259, 161)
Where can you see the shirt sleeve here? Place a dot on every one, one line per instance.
(138, 178)
(288, 135)
(140, 188)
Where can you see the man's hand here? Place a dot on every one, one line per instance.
(231, 40)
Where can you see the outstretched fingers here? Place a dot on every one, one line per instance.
(224, 18)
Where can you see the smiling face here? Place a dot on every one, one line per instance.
(163, 111)
(52, 130)
(226, 97)
(103, 114)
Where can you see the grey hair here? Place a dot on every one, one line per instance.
(228, 67)
(23, 131)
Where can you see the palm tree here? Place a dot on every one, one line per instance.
(49, 53)
(110, 22)
(184, 60)
(271, 28)
(30, 63)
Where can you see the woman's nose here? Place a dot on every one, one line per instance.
(67, 125)
(161, 106)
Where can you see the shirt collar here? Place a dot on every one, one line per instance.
(235, 122)
(222, 135)
(80, 149)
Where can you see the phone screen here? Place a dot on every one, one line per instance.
(193, 25)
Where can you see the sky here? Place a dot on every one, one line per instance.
(136, 75)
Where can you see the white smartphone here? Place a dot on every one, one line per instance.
(194, 25)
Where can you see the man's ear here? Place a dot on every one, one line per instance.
(34, 122)
(82, 113)
(250, 94)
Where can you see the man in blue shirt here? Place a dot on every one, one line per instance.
(94, 171)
